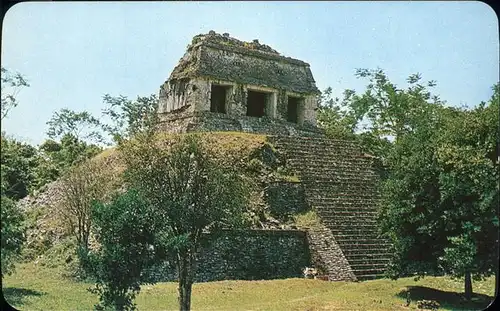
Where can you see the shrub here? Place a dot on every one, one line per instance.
(12, 234)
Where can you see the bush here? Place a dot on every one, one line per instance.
(12, 234)
(125, 235)
(255, 165)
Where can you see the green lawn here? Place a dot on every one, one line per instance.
(39, 288)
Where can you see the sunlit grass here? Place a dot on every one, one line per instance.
(39, 288)
(308, 219)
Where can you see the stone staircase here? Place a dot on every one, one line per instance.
(340, 185)
(327, 255)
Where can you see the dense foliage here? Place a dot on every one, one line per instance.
(17, 177)
(125, 229)
(381, 114)
(19, 163)
(440, 181)
(12, 234)
(192, 195)
(130, 117)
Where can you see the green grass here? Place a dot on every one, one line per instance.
(308, 219)
(40, 288)
(289, 178)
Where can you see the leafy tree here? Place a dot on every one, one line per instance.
(81, 126)
(60, 156)
(125, 233)
(12, 234)
(16, 178)
(441, 166)
(468, 157)
(79, 134)
(390, 111)
(83, 184)
(379, 115)
(192, 195)
(46, 171)
(126, 118)
(18, 165)
(334, 117)
(12, 83)
(439, 206)
(130, 117)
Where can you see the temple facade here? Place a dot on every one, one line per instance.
(224, 84)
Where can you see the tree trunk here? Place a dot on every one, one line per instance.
(468, 285)
(185, 282)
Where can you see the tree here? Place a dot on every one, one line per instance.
(18, 165)
(440, 170)
(439, 202)
(125, 233)
(12, 83)
(60, 156)
(81, 186)
(381, 114)
(130, 117)
(192, 195)
(12, 234)
(468, 157)
(26, 168)
(82, 126)
(333, 115)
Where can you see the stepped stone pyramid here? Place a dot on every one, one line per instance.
(224, 84)
(341, 186)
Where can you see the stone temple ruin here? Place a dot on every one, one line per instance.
(224, 84)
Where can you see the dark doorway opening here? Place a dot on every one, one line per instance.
(218, 99)
(292, 109)
(256, 104)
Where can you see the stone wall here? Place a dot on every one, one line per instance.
(184, 94)
(249, 255)
(194, 95)
(183, 121)
(285, 199)
(310, 105)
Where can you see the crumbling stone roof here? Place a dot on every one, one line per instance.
(222, 57)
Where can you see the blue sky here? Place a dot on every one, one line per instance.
(73, 53)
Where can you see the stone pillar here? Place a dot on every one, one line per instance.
(239, 102)
(271, 105)
(281, 105)
(310, 104)
(200, 96)
(162, 99)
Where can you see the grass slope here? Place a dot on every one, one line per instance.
(39, 288)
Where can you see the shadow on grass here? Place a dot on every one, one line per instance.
(450, 300)
(16, 296)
